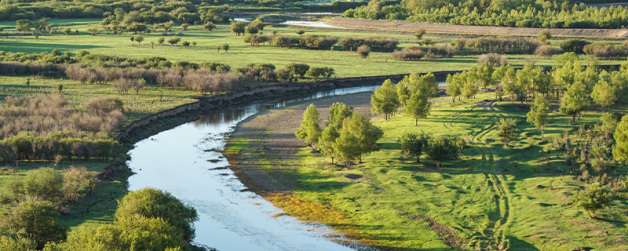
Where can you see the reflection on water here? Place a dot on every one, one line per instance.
(186, 162)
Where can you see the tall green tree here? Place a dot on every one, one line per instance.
(484, 74)
(575, 101)
(403, 93)
(454, 86)
(238, 27)
(413, 144)
(366, 133)
(538, 113)
(418, 106)
(507, 129)
(604, 94)
(310, 130)
(338, 112)
(425, 83)
(385, 100)
(347, 147)
(327, 142)
(620, 149)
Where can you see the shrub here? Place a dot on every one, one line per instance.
(502, 45)
(574, 45)
(104, 105)
(380, 44)
(444, 51)
(493, 58)
(409, 54)
(605, 50)
(364, 51)
(545, 51)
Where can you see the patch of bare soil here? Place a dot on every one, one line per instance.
(266, 163)
(468, 29)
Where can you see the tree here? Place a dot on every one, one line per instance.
(454, 86)
(186, 44)
(17, 243)
(161, 40)
(441, 148)
(574, 101)
(300, 32)
(225, 47)
(419, 34)
(174, 40)
(413, 144)
(403, 92)
(507, 129)
(338, 112)
(298, 69)
(595, 197)
(38, 220)
(139, 39)
(364, 51)
(418, 106)
(425, 83)
(604, 94)
(154, 203)
(385, 100)
(327, 141)
(538, 114)
(184, 26)
(23, 25)
(310, 130)
(315, 72)
(484, 74)
(545, 36)
(194, 44)
(366, 133)
(620, 149)
(238, 27)
(347, 147)
(209, 26)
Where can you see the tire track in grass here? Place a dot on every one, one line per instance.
(493, 237)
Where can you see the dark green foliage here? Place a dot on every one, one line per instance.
(574, 45)
(315, 42)
(380, 44)
(440, 149)
(238, 28)
(385, 100)
(413, 144)
(298, 69)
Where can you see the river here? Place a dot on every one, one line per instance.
(186, 161)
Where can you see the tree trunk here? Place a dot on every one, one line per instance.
(416, 122)
(418, 159)
(438, 164)
(542, 133)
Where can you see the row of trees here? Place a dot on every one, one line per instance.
(347, 137)
(518, 13)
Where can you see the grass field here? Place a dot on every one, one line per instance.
(493, 197)
(346, 64)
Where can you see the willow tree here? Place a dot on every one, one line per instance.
(385, 100)
(418, 106)
(310, 130)
(538, 113)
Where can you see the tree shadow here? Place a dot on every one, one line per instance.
(22, 46)
(519, 244)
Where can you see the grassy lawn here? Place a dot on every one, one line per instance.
(494, 195)
(347, 64)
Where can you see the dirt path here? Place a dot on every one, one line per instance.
(468, 29)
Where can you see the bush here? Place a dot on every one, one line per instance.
(605, 50)
(409, 54)
(36, 219)
(545, 51)
(502, 45)
(105, 105)
(493, 58)
(574, 45)
(364, 51)
(439, 51)
(380, 44)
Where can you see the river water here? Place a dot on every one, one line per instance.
(186, 161)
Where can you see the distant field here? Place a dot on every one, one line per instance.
(347, 64)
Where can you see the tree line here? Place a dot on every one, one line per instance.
(518, 13)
